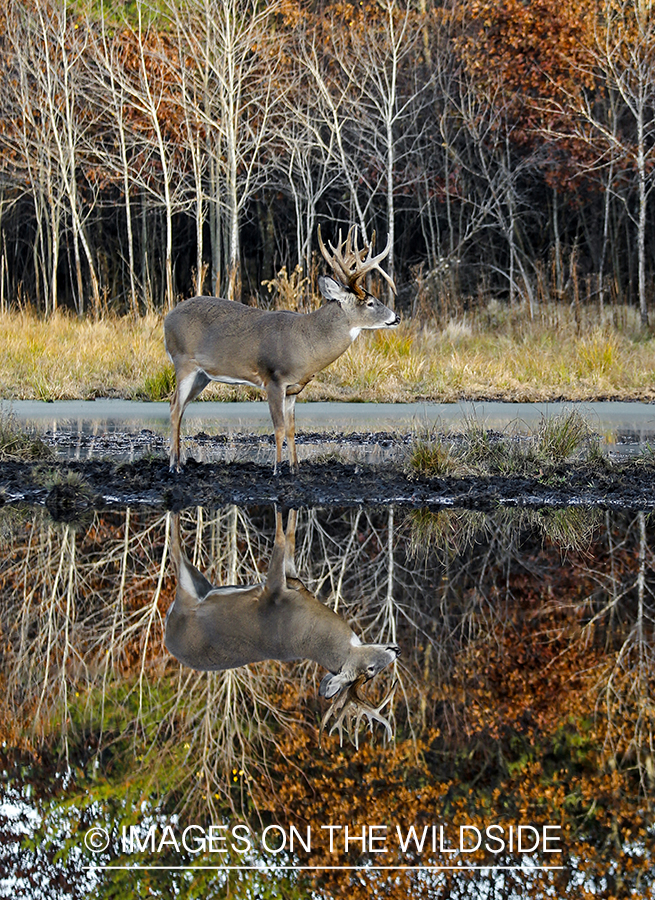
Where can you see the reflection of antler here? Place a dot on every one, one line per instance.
(350, 264)
(349, 708)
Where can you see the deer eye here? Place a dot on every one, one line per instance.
(370, 303)
(371, 670)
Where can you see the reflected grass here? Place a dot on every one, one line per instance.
(18, 444)
(452, 531)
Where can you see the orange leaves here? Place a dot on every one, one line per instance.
(528, 50)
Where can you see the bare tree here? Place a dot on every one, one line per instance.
(234, 54)
(47, 52)
(56, 71)
(620, 56)
(108, 87)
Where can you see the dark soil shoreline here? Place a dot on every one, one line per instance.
(69, 488)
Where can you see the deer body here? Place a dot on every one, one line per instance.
(227, 627)
(213, 628)
(212, 339)
(284, 346)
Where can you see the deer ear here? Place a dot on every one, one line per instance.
(332, 684)
(192, 582)
(331, 288)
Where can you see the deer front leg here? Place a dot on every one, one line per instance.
(276, 394)
(290, 429)
(290, 544)
(176, 417)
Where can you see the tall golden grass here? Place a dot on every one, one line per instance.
(495, 354)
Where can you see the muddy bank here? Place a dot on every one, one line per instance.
(68, 489)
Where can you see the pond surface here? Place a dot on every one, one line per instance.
(520, 709)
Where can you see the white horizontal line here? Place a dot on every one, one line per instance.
(334, 868)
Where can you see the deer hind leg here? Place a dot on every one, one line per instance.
(187, 389)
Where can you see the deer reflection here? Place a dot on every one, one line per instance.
(213, 628)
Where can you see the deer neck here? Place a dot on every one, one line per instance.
(320, 634)
(332, 332)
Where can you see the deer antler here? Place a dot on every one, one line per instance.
(350, 264)
(349, 708)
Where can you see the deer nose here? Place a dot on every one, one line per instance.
(394, 648)
(394, 321)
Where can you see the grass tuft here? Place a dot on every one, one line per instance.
(17, 444)
(159, 386)
(561, 437)
(433, 457)
(483, 453)
(598, 354)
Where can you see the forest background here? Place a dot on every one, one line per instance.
(153, 150)
(150, 151)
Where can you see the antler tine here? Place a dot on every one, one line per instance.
(373, 713)
(349, 708)
(336, 261)
(350, 264)
(338, 708)
(370, 263)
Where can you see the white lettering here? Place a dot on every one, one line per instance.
(168, 839)
(350, 840)
(216, 840)
(136, 845)
(375, 839)
(494, 838)
(244, 840)
(548, 838)
(331, 829)
(265, 834)
(464, 849)
(201, 844)
(441, 846)
(520, 848)
(307, 846)
(411, 836)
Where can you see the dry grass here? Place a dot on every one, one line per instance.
(15, 443)
(499, 354)
(65, 358)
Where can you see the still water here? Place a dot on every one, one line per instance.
(127, 429)
(506, 752)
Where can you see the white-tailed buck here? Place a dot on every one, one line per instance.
(211, 339)
(213, 628)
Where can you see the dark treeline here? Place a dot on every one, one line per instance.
(150, 152)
